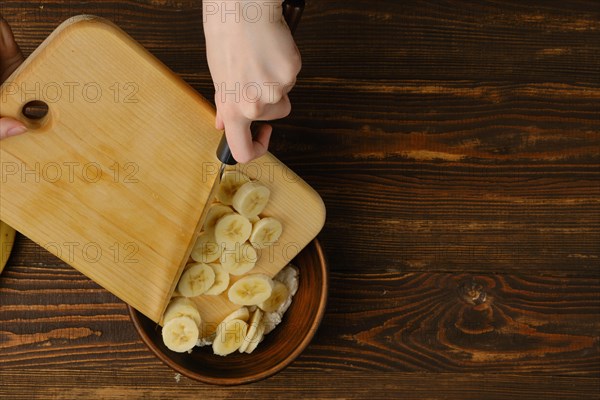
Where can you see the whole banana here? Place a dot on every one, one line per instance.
(7, 239)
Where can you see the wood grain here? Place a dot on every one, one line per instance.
(452, 142)
(161, 383)
(411, 322)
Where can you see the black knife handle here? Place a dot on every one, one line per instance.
(224, 152)
(292, 12)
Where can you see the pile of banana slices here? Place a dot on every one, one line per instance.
(233, 231)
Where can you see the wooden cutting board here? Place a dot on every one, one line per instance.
(115, 178)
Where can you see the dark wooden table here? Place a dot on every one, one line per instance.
(457, 147)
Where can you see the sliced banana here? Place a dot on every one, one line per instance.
(221, 280)
(255, 321)
(251, 290)
(196, 280)
(258, 337)
(278, 296)
(232, 230)
(180, 334)
(182, 307)
(230, 183)
(206, 249)
(239, 260)
(230, 336)
(254, 219)
(265, 232)
(215, 212)
(7, 239)
(251, 199)
(240, 313)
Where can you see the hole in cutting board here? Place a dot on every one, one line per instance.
(35, 110)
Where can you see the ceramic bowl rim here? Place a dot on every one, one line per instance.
(323, 266)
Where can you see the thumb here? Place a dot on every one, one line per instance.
(11, 127)
(239, 139)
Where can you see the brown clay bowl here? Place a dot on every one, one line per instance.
(278, 349)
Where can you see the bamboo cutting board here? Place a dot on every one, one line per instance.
(115, 179)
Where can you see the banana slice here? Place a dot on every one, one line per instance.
(180, 334)
(230, 183)
(240, 313)
(251, 199)
(230, 336)
(221, 280)
(251, 290)
(7, 239)
(196, 280)
(215, 212)
(206, 249)
(265, 232)
(252, 329)
(258, 337)
(232, 230)
(182, 307)
(239, 260)
(254, 219)
(278, 296)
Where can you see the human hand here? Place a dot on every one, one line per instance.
(10, 58)
(254, 63)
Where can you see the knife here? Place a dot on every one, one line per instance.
(292, 12)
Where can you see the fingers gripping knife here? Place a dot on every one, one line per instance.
(292, 12)
(112, 180)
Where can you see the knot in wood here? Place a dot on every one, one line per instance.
(472, 292)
